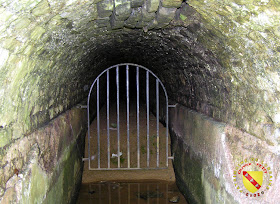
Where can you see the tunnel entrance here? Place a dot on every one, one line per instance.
(129, 136)
(129, 139)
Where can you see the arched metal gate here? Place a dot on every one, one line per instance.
(143, 151)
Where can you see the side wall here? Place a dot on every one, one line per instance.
(206, 153)
(45, 166)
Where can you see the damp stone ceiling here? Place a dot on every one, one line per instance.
(219, 58)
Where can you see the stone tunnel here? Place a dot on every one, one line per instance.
(219, 62)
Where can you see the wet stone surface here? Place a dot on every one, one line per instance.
(134, 192)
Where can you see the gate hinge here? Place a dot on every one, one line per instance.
(81, 106)
(85, 159)
(172, 106)
(171, 157)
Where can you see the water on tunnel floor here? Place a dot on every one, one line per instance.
(130, 192)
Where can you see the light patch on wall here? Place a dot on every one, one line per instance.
(85, 87)
(4, 54)
(261, 19)
(217, 169)
(263, 83)
(239, 7)
(276, 118)
(276, 79)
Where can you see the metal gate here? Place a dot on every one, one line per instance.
(142, 152)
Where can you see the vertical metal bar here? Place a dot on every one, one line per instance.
(119, 192)
(157, 194)
(157, 113)
(167, 130)
(138, 189)
(108, 119)
(109, 190)
(138, 142)
(98, 123)
(148, 119)
(99, 193)
(127, 116)
(166, 201)
(118, 113)
(148, 193)
(128, 188)
(89, 157)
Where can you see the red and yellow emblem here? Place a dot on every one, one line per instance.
(252, 180)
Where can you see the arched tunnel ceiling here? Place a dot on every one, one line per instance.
(217, 57)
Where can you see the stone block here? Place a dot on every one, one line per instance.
(136, 3)
(151, 25)
(165, 15)
(22, 23)
(5, 137)
(105, 8)
(141, 24)
(115, 24)
(101, 23)
(134, 18)
(37, 33)
(122, 10)
(152, 5)
(171, 3)
(42, 8)
(146, 16)
(187, 14)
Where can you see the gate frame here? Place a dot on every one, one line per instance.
(158, 81)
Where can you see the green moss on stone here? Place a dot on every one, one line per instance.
(22, 23)
(37, 33)
(42, 8)
(39, 185)
(171, 3)
(183, 17)
(5, 136)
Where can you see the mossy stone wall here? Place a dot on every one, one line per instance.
(45, 166)
(219, 58)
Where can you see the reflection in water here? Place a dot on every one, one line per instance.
(151, 192)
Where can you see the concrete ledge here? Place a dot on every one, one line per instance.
(47, 164)
(207, 153)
